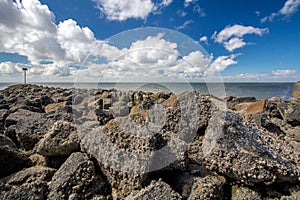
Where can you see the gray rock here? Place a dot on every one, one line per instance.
(296, 90)
(290, 112)
(76, 177)
(30, 127)
(247, 154)
(61, 140)
(29, 191)
(244, 193)
(208, 187)
(156, 190)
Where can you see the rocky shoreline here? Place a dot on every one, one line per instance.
(106, 144)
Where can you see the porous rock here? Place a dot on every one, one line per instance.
(76, 177)
(156, 190)
(61, 140)
(245, 153)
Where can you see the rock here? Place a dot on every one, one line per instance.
(233, 101)
(290, 111)
(29, 175)
(76, 177)
(6, 142)
(244, 193)
(208, 187)
(156, 190)
(246, 154)
(61, 140)
(296, 90)
(11, 160)
(252, 107)
(38, 159)
(29, 191)
(30, 127)
(54, 106)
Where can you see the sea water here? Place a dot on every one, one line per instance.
(257, 90)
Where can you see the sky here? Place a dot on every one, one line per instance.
(138, 40)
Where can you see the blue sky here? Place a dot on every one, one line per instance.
(245, 40)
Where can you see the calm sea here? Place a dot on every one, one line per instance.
(258, 90)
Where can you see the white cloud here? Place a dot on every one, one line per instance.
(290, 7)
(231, 36)
(121, 10)
(10, 68)
(276, 75)
(283, 72)
(204, 39)
(188, 2)
(184, 25)
(220, 64)
(234, 43)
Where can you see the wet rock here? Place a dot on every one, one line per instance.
(244, 193)
(247, 154)
(156, 190)
(76, 177)
(30, 127)
(208, 187)
(61, 140)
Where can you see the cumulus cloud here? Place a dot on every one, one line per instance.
(121, 10)
(231, 36)
(220, 64)
(28, 28)
(10, 68)
(290, 7)
(188, 2)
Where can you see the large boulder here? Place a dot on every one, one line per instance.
(247, 154)
(30, 127)
(76, 178)
(61, 140)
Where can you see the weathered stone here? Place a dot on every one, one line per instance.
(244, 193)
(156, 190)
(54, 106)
(208, 187)
(296, 90)
(232, 101)
(252, 107)
(290, 111)
(29, 175)
(28, 191)
(11, 160)
(30, 127)
(38, 159)
(61, 140)
(245, 153)
(76, 176)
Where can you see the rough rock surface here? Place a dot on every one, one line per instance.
(106, 144)
(296, 90)
(156, 190)
(61, 140)
(247, 154)
(76, 178)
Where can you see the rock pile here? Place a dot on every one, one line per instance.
(105, 144)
